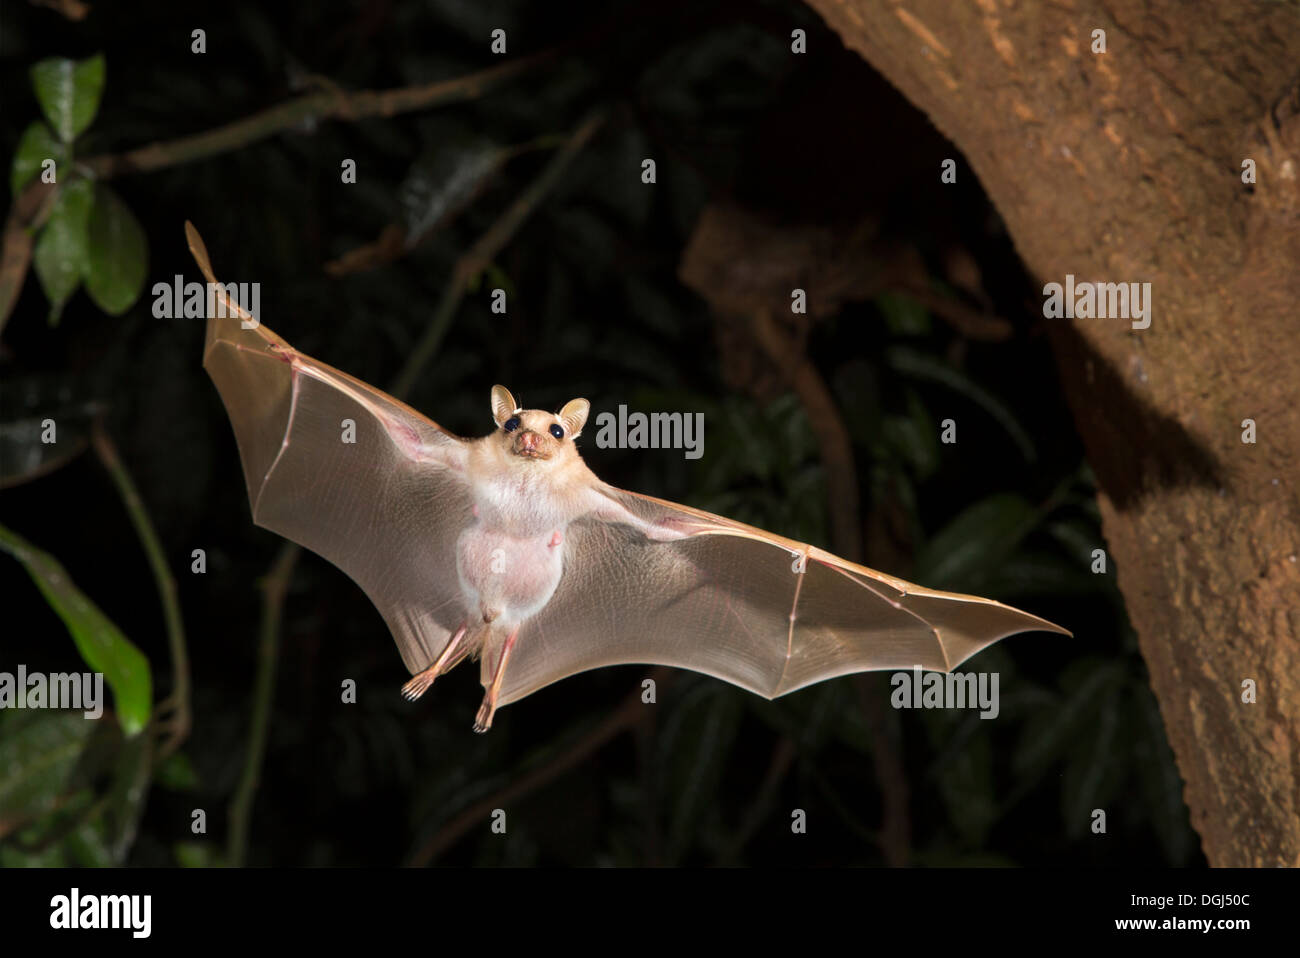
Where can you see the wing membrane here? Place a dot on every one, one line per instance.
(386, 507)
(729, 601)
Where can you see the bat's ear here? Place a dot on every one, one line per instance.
(574, 416)
(503, 405)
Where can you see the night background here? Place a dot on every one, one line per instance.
(620, 291)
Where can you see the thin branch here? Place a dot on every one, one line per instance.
(827, 425)
(72, 9)
(488, 247)
(9, 827)
(329, 104)
(394, 242)
(783, 756)
(163, 579)
(895, 820)
(626, 716)
(89, 813)
(971, 323)
(274, 587)
(30, 210)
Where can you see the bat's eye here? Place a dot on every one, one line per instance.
(557, 430)
(511, 424)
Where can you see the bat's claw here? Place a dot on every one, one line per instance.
(455, 651)
(413, 689)
(483, 721)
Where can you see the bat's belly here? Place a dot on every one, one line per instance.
(505, 576)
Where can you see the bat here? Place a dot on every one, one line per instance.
(509, 550)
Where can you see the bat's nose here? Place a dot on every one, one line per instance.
(531, 445)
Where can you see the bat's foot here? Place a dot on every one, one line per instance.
(451, 656)
(483, 721)
(413, 689)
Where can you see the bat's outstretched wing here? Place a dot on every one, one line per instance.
(345, 470)
(760, 611)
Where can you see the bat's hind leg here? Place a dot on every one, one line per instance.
(455, 650)
(483, 721)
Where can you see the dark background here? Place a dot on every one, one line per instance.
(713, 93)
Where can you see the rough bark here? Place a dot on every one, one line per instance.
(1126, 166)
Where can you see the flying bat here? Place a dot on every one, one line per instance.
(509, 550)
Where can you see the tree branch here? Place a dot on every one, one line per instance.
(179, 699)
(488, 247)
(31, 207)
(274, 587)
(30, 210)
(330, 104)
(625, 717)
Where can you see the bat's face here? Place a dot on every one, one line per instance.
(535, 435)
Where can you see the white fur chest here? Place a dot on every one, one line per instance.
(521, 501)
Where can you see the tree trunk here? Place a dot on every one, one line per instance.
(1127, 166)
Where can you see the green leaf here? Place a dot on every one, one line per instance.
(497, 278)
(126, 798)
(1093, 771)
(197, 854)
(913, 436)
(971, 545)
(1036, 573)
(36, 145)
(695, 743)
(61, 251)
(101, 644)
(37, 757)
(1086, 684)
(177, 773)
(1079, 538)
(119, 254)
(965, 778)
(49, 857)
(68, 92)
(918, 365)
(903, 315)
(87, 848)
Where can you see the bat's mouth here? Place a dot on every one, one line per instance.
(529, 445)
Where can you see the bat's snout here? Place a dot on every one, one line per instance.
(531, 445)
